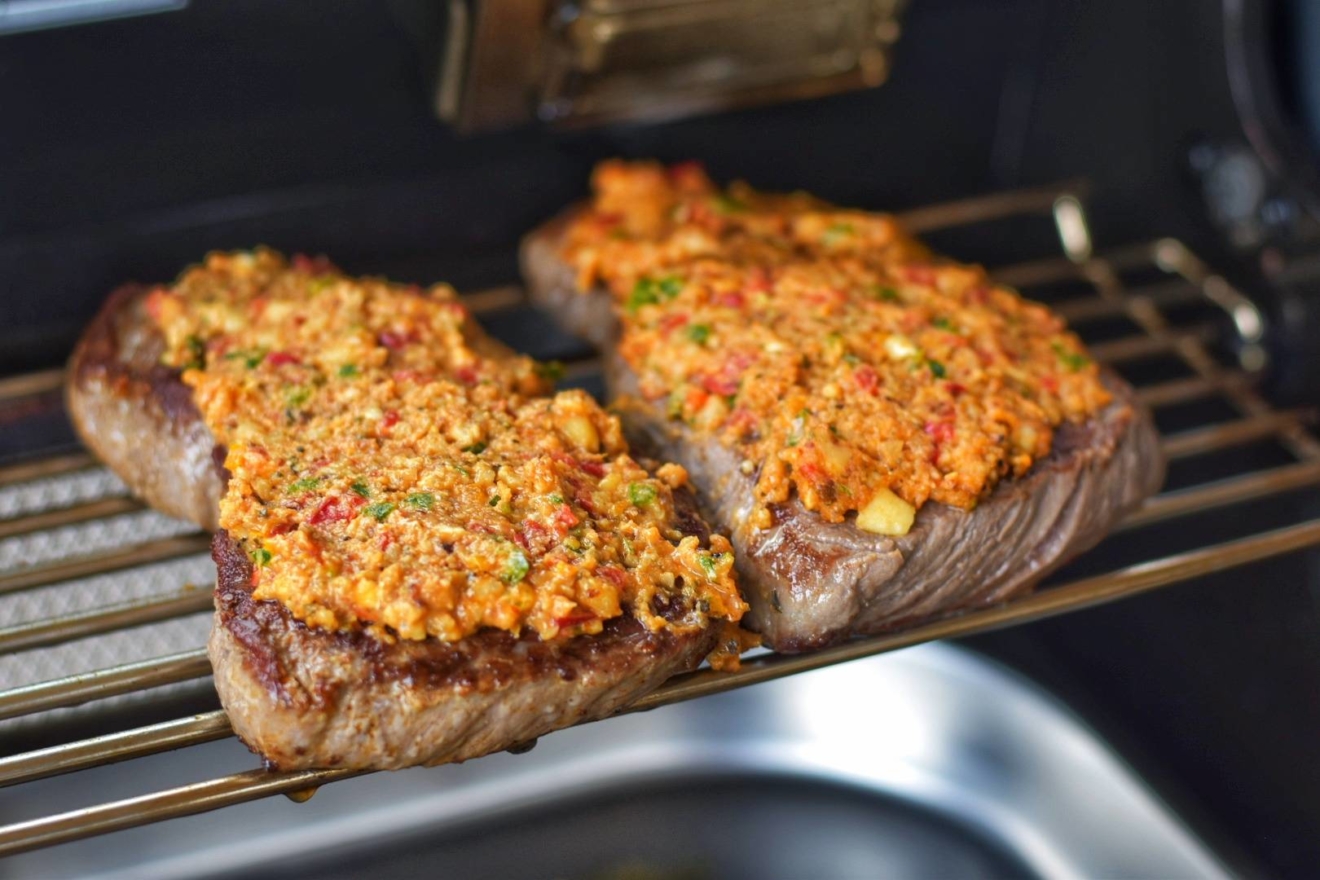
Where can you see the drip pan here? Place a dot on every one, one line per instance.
(930, 762)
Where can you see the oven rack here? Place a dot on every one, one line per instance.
(1145, 286)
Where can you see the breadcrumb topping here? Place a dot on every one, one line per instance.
(850, 368)
(393, 468)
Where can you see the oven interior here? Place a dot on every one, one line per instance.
(135, 145)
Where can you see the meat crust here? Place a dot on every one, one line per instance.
(811, 583)
(138, 417)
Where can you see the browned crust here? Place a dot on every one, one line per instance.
(138, 417)
(810, 583)
(304, 697)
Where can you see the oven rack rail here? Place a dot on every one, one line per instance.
(1185, 280)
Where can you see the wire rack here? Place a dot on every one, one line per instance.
(84, 568)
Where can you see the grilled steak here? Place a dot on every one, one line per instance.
(305, 697)
(357, 696)
(139, 418)
(810, 582)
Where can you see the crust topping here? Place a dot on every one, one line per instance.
(394, 469)
(849, 367)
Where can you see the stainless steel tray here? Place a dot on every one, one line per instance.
(931, 762)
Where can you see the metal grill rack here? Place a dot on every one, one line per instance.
(1152, 311)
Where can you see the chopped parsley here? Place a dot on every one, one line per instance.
(943, 323)
(297, 396)
(261, 556)
(348, 371)
(196, 353)
(476, 448)
(250, 358)
(836, 233)
(699, 333)
(727, 204)
(887, 294)
(306, 484)
(515, 568)
(380, 510)
(361, 489)
(494, 501)
(936, 368)
(1074, 361)
(641, 494)
(709, 563)
(551, 371)
(420, 500)
(650, 291)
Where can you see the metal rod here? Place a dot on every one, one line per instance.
(1089, 308)
(238, 788)
(67, 628)
(31, 384)
(1177, 391)
(114, 747)
(1084, 593)
(54, 466)
(1222, 493)
(187, 800)
(979, 209)
(102, 563)
(1137, 346)
(495, 299)
(68, 516)
(74, 690)
(1211, 438)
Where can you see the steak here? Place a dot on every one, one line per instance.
(811, 583)
(304, 697)
(139, 418)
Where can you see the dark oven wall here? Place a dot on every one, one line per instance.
(130, 147)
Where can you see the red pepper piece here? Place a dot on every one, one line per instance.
(337, 508)
(614, 575)
(867, 379)
(280, 358)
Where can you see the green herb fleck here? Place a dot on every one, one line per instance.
(699, 333)
(420, 500)
(515, 568)
(476, 448)
(361, 489)
(1074, 361)
(462, 470)
(887, 294)
(306, 484)
(648, 291)
(196, 353)
(641, 494)
(380, 510)
(709, 564)
(250, 358)
(551, 371)
(556, 498)
(297, 396)
(836, 233)
(936, 368)
(348, 371)
(494, 501)
(943, 323)
(261, 556)
(727, 204)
